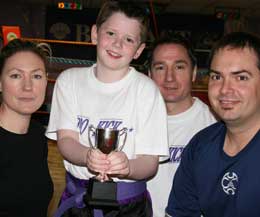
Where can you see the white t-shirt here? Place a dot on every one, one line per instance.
(181, 128)
(134, 102)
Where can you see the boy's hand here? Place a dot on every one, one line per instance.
(119, 164)
(97, 161)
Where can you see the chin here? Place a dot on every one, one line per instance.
(28, 111)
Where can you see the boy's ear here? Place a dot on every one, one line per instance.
(194, 73)
(139, 51)
(94, 34)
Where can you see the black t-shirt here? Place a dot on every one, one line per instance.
(26, 187)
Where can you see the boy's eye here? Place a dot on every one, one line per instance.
(129, 40)
(110, 33)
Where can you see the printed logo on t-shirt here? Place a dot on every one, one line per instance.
(175, 153)
(229, 183)
(108, 123)
(83, 123)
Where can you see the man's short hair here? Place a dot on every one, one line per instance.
(237, 40)
(174, 39)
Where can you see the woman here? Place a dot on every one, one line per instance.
(25, 184)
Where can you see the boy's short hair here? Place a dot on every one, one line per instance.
(174, 39)
(237, 40)
(130, 9)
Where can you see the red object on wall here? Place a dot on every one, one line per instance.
(10, 33)
(203, 95)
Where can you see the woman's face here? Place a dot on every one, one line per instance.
(23, 83)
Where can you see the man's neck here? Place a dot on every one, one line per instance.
(237, 138)
(174, 108)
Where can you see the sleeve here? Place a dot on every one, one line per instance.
(151, 136)
(183, 200)
(63, 113)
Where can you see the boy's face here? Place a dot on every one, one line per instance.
(118, 41)
(233, 89)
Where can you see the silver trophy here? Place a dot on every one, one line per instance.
(106, 140)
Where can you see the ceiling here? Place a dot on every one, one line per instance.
(247, 8)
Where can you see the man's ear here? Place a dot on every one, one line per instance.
(194, 73)
(94, 34)
(149, 73)
(139, 51)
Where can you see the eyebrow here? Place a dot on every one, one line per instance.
(176, 62)
(116, 31)
(234, 72)
(20, 70)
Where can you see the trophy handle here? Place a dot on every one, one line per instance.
(122, 132)
(91, 129)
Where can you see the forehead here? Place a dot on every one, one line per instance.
(24, 59)
(170, 52)
(234, 59)
(120, 22)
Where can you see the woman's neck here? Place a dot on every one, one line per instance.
(14, 122)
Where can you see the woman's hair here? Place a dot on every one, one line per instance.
(130, 9)
(42, 50)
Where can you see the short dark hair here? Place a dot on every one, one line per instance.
(19, 45)
(130, 9)
(236, 40)
(174, 39)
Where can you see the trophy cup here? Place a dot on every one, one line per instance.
(106, 140)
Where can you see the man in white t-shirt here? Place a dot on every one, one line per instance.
(173, 68)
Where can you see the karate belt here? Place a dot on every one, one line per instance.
(75, 190)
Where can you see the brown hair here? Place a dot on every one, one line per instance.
(130, 9)
(18, 45)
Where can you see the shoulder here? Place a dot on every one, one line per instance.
(73, 73)
(201, 104)
(204, 109)
(144, 83)
(35, 126)
(210, 132)
(205, 139)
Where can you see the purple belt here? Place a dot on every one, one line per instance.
(72, 196)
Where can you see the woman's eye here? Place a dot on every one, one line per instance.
(37, 76)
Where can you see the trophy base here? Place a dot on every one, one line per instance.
(101, 193)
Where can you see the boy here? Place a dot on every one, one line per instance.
(110, 94)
